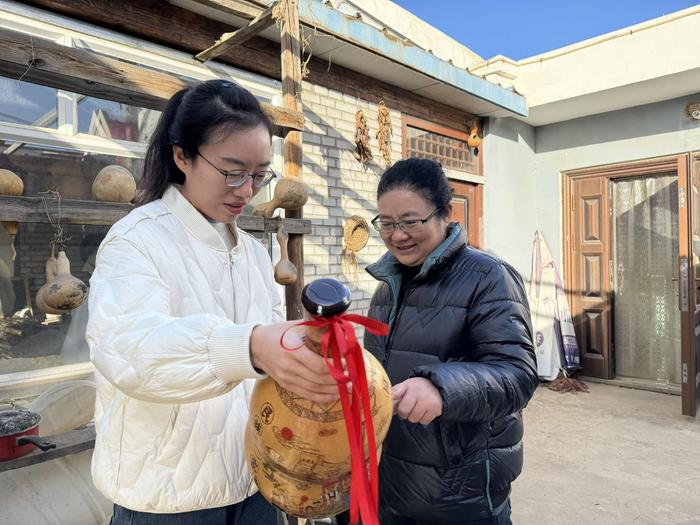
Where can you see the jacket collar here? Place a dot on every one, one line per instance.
(193, 220)
(388, 269)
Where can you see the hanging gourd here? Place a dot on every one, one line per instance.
(62, 292)
(10, 185)
(285, 271)
(301, 452)
(474, 140)
(65, 292)
(114, 183)
(50, 276)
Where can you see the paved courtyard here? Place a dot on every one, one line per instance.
(612, 456)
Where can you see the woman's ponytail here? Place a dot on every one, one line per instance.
(159, 169)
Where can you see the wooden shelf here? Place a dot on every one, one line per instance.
(73, 211)
(67, 443)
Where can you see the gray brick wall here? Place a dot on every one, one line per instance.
(339, 186)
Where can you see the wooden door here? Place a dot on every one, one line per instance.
(467, 209)
(591, 276)
(689, 279)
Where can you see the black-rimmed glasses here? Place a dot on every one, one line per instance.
(236, 178)
(407, 226)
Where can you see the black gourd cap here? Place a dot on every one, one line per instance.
(325, 297)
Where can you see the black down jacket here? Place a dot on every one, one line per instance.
(464, 324)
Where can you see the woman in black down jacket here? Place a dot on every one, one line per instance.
(459, 354)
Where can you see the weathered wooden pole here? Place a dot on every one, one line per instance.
(293, 162)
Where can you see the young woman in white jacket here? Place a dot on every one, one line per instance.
(184, 316)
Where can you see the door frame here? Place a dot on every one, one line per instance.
(689, 168)
(476, 208)
(609, 172)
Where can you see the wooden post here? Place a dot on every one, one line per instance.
(291, 99)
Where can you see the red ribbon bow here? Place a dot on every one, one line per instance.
(339, 342)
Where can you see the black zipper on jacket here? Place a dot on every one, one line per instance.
(390, 336)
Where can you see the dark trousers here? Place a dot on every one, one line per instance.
(251, 511)
(386, 518)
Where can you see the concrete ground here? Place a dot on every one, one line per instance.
(612, 456)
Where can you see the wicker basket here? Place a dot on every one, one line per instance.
(355, 237)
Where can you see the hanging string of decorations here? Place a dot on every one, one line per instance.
(384, 133)
(363, 151)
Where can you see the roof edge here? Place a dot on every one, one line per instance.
(317, 15)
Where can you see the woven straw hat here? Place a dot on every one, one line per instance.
(355, 233)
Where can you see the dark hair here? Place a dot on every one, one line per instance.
(190, 118)
(421, 176)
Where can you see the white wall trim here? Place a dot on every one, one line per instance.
(466, 177)
(79, 142)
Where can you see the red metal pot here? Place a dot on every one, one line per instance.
(19, 429)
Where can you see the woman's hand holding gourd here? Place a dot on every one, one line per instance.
(301, 371)
(417, 400)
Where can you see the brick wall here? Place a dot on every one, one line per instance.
(339, 186)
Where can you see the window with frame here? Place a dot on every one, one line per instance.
(54, 153)
(44, 146)
(444, 145)
(40, 143)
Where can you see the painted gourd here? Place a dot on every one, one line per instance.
(298, 450)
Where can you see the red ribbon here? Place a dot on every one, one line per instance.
(339, 342)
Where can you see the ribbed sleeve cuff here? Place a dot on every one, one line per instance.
(229, 352)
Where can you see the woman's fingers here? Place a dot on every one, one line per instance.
(407, 404)
(417, 400)
(292, 364)
(418, 413)
(305, 373)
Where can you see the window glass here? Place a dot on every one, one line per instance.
(25, 103)
(114, 120)
(29, 338)
(70, 172)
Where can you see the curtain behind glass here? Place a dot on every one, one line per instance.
(646, 315)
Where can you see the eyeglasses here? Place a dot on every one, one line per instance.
(407, 226)
(236, 178)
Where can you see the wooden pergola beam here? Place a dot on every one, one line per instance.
(241, 8)
(45, 62)
(229, 40)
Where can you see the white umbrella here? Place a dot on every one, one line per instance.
(555, 339)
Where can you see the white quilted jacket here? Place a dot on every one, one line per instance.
(171, 312)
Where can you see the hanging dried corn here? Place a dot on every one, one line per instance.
(384, 133)
(363, 151)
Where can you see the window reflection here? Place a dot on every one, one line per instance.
(114, 120)
(26, 103)
(71, 173)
